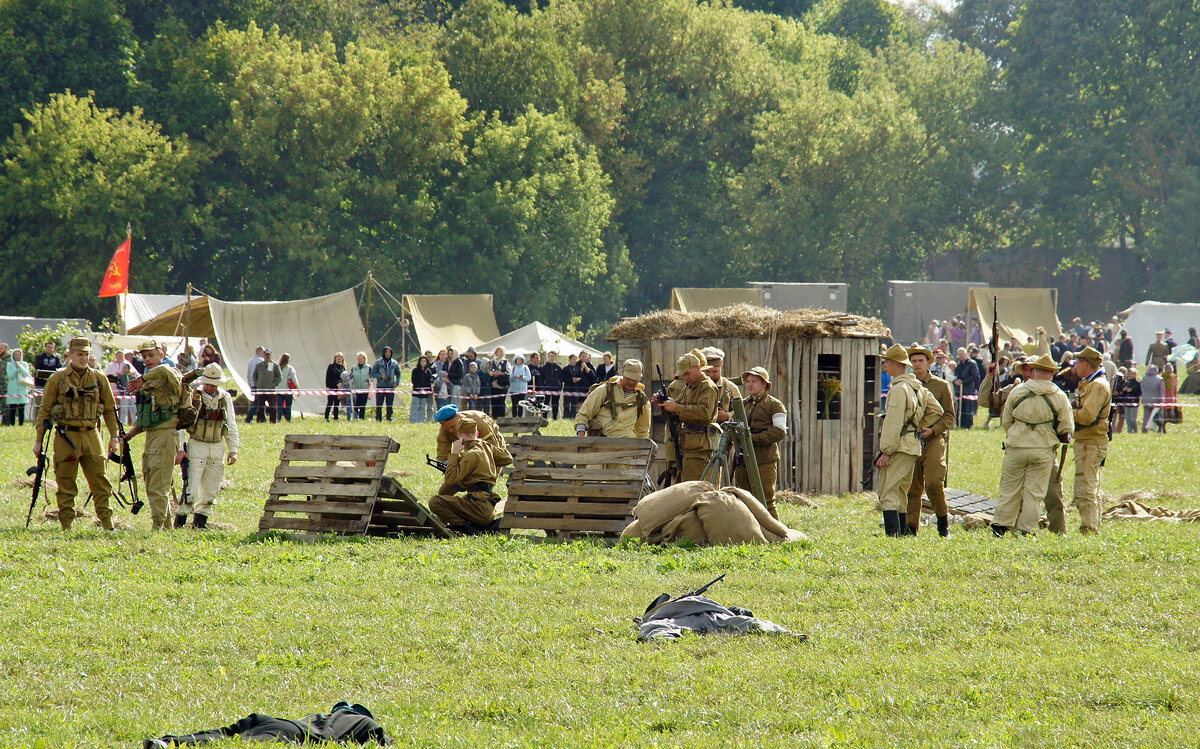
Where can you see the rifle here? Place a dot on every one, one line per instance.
(995, 345)
(664, 598)
(38, 472)
(1062, 460)
(125, 459)
(441, 465)
(661, 397)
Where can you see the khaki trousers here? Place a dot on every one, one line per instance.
(929, 476)
(158, 466)
(768, 472)
(1087, 485)
(452, 509)
(88, 454)
(1023, 479)
(206, 469)
(894, 480)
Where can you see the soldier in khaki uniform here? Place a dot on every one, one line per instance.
(929, 474)
(766, 419)
(470, 469)
(995, 402)
(76, 398)
(1036, 419)
(692, 397)
(727, 392)
(212, 441)
(448, 418)
(1091, 436)
(618, 407)
(910, 408)
(1158, 351)
(159, 391)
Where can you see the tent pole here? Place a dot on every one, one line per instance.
(370, 285)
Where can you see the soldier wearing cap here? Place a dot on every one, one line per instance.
(76, 398)
(766, 419)
(727, 392)
(1158, 351)
(212, 441)
(1036, 418)
(929, 474)
(471, 470)
(448, 418)
(159, 391)
(1091, 438)
(617, 407)
(692, 397)
(910, 408)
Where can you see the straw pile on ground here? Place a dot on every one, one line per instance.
(747, 321)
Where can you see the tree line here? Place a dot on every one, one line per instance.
(578, 158)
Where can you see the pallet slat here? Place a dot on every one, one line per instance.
(331, 454)
(327, 488)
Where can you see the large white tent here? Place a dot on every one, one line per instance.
(532, 338)
(1143, 319)
(459, 320)
(138, 308)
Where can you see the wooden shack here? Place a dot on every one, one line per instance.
(824, 367)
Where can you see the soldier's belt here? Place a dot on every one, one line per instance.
(691, 428)
(78, 429)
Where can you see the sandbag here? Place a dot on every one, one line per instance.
(685, 527)
(793, 536)
(727, 520)
(657, 508)
(768, 523)
(633, 530)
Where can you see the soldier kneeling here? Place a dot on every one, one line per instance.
(470, 469)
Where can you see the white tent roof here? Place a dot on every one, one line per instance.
(534, 337)
(142, 307)
(1145, 318)
(459, 320)
(173, 343)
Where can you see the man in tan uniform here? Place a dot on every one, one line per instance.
(995, 403)
(1091, 436)
(929, 474)
(766, 419)
(76, 398)
(159, 391)
(692, 397)
(211, 434)
(470, 469)
(1036, 419)
(910, 408)
(727, 392)
(448, 418)
(1158, 351)
(618, 407)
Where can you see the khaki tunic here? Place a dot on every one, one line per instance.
(471, 470)
(929, 472)
(489, 434)
(78, 400)
(766, 435)
(910, 407)
(165, 385)
(1032, 424)
(697, 409)
(1157, 354)
(631, 421)
(727, 393)
(1091, 447)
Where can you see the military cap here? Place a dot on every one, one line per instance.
(693, 358)
(922, 350)
(632, 369)
(712, 352)
(446, 413)
(1045, 362)
(213, 374)
(897, 353)
(149, 344)
(467, 425)
(80, 344)
(1090, 354)
(266, 352)
(758, 372)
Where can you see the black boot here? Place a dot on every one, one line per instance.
(891, 523)
(180, 521)
(943, 525)
(999, 530)
(905, 528)
(200, 522)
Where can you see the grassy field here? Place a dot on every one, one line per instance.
(970, 641)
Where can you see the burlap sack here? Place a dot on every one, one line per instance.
(765, 521)
(633, 530)
(728, 521)
(792, 536)
(657, 508)
(685, 527)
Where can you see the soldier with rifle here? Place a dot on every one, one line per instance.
(766, 418)
(212, 442)
(929, 474)
(1091, 407)
(448, 418)
(76, 399)
(159, 391)
(471, 470)
(692, 398)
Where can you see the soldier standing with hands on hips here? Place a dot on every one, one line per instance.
(75, 400)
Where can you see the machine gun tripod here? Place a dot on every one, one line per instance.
(735, 440)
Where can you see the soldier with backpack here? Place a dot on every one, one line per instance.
(617, 407)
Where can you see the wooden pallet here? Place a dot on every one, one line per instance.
(399, 513)
(327, 483)
(575, 485)
(513, 427)
(962, 502)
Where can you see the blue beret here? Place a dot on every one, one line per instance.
(445, 413)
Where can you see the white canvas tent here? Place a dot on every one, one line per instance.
(702, 300)
(459, 320)
(1143, 319)
(138, 308)
(311, 330)
(532, 338)
(1021, 312)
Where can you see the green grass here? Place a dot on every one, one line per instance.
(970, 641)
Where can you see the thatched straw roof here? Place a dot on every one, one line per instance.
(747, 321)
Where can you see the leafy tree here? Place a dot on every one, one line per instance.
(71, 180)
(788, 8)
(873, 24)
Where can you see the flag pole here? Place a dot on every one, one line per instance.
(122, 298)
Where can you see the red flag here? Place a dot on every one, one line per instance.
(116, 278)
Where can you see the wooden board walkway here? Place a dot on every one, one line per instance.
(965, 503)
